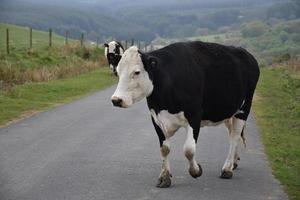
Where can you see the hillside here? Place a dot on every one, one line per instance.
(43, 63)
(19, 38)
(269, 43)
(143, 20)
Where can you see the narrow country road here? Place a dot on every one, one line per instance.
(88, 150)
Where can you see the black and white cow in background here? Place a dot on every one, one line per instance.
(190, 85)
(113, 52)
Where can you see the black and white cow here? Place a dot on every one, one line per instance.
(190, 85)
(113, 52)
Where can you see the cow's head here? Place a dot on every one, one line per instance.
(134, 81)
(113, 52)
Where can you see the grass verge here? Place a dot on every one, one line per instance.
(34, 97)
(45, 64)
(277, 110)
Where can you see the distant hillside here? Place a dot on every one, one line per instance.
(144, 19)
(94, 21)
(268, 42)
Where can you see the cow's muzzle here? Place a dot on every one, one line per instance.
(117, 101)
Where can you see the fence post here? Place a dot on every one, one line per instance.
(132, 42)
(139, 44)
(7, 41)
(81, 39)
(145, 47)
(50, 37)
(67, 37)
(30, 38)
(126, 44)
(97, 41)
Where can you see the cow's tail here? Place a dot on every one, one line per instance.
(253, 75)
(243, 136)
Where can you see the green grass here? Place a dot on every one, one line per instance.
(34, 97)
(47, 57)
(19, 38)
(48, 64)
(277, 111)
(42, 63)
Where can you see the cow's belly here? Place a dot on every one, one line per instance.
(170, 123)
(211, 123)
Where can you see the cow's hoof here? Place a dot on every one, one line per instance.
(235, 165)
(164, 182)
(226, 174)
(194, 173)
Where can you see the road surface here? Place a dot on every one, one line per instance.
(88, 150)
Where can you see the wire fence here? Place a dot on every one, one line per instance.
(15, 38)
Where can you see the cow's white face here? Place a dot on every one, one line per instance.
(134, 82)
(111, 48)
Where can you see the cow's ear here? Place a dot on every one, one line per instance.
(148, 61)
(105, 45)
(152, 61)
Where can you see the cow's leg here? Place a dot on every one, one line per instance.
(235, 132)
(115, 70)
(164, 179)
(229, 125)
(189, 149)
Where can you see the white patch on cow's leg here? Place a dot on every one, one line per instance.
(164, 179)
(236, 156)
(165, 150)
(229, 125)
(235, 129)
(111, 66)
(189, 149)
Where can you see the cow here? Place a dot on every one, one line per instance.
(190, 85)
(113, 52)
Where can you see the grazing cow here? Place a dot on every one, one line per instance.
(113, 53)
(190, 85)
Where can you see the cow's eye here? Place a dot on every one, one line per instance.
(137, 73)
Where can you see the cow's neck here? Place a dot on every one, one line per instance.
(164, 98)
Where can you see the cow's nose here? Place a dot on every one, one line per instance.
(116, 101)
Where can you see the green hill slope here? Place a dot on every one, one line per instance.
(19, 38)
(42, 63)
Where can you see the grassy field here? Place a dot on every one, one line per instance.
(48, 64)
(19, 38)
(277, 111)
(42, 63)
(23, 100)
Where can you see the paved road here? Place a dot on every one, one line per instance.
(89, 150)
